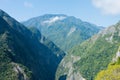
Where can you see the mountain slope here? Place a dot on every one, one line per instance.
(64, 31)
(112, 71)
(22, 55)
(93, 55)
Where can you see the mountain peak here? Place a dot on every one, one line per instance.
(60, 26)
(2, 13)
(53, 15)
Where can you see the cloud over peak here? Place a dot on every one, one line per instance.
(108, 6)
(28, 4)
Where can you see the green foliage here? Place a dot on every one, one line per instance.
(111, 73)
(96, 58)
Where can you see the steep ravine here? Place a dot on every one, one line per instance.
(22, 54)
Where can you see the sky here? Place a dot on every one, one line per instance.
(99, 12)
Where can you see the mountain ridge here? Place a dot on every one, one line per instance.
(64, 31)
(95, 54)
(22, 55)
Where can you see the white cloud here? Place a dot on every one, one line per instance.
(108, 6)
(54, 19)
(28, 4)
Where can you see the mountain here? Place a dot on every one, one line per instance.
(85, 61)
(112, 71)
(64, 31)
(26, 54)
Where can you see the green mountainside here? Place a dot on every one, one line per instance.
(111, 73)
(64, 31)
(86, 60)
(113, 70)
(26, 54)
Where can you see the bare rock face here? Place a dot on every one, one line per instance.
(71, 74)
(20, 72)
(116, 56)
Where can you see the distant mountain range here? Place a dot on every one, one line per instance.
(85, 61)
(26, 54)
(64, 31)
